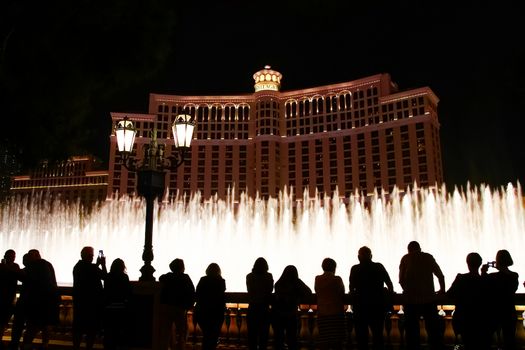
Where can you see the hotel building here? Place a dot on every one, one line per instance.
(77, 178)
(9, 166)
(360, 136)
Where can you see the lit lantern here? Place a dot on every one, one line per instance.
(183, 130)
(125, 132)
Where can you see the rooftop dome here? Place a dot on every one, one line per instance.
(267, 79)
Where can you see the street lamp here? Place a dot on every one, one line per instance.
(151, 172)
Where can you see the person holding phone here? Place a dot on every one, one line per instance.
(502, 286)
(88, 296)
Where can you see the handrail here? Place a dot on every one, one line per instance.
(397, 298)
(234, 330)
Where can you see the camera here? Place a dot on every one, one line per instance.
(491, 264)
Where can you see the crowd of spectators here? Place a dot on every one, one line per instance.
(100, 302)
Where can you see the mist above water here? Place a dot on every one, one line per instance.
(449, 225)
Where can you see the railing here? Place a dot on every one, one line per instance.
(234, 328)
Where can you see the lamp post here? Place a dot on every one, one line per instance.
(151, 172)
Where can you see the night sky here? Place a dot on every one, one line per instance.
(65, 65)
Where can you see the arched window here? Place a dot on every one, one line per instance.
(244, 113)
(306, 107)
(227, 114)
(191, 111)
(348, 101)
(206, 113)
(320, 105)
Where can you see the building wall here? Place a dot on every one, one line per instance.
(74, 179)
(356, 136)
(10, 166)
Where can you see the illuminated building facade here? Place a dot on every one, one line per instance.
(10, 166)
(77, 178)
(355, 136)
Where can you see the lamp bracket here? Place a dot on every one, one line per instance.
(155, 161)
(128, 162)
(176, 159)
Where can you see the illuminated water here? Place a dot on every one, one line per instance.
(448, 225)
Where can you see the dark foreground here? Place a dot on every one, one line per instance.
(145, 322)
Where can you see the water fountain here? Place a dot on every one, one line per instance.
(447, 224)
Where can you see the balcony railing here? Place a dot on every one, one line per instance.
(234, 329)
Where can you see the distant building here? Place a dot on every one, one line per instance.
(77, 178)
(360, 135)
(9, 166)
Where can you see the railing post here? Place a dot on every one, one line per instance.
(388, 327)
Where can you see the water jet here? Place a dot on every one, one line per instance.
(234, 233)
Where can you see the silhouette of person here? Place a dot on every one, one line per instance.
(367, 281)
(290, 290)
(117, 291)
(210, 306)
(416, 276)
(19, 317)
(178, 296)
(88, 297)
(9, 274)
(259, 284)
(330, 292)
(469, 291)
(502, 286)
(42, 299)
